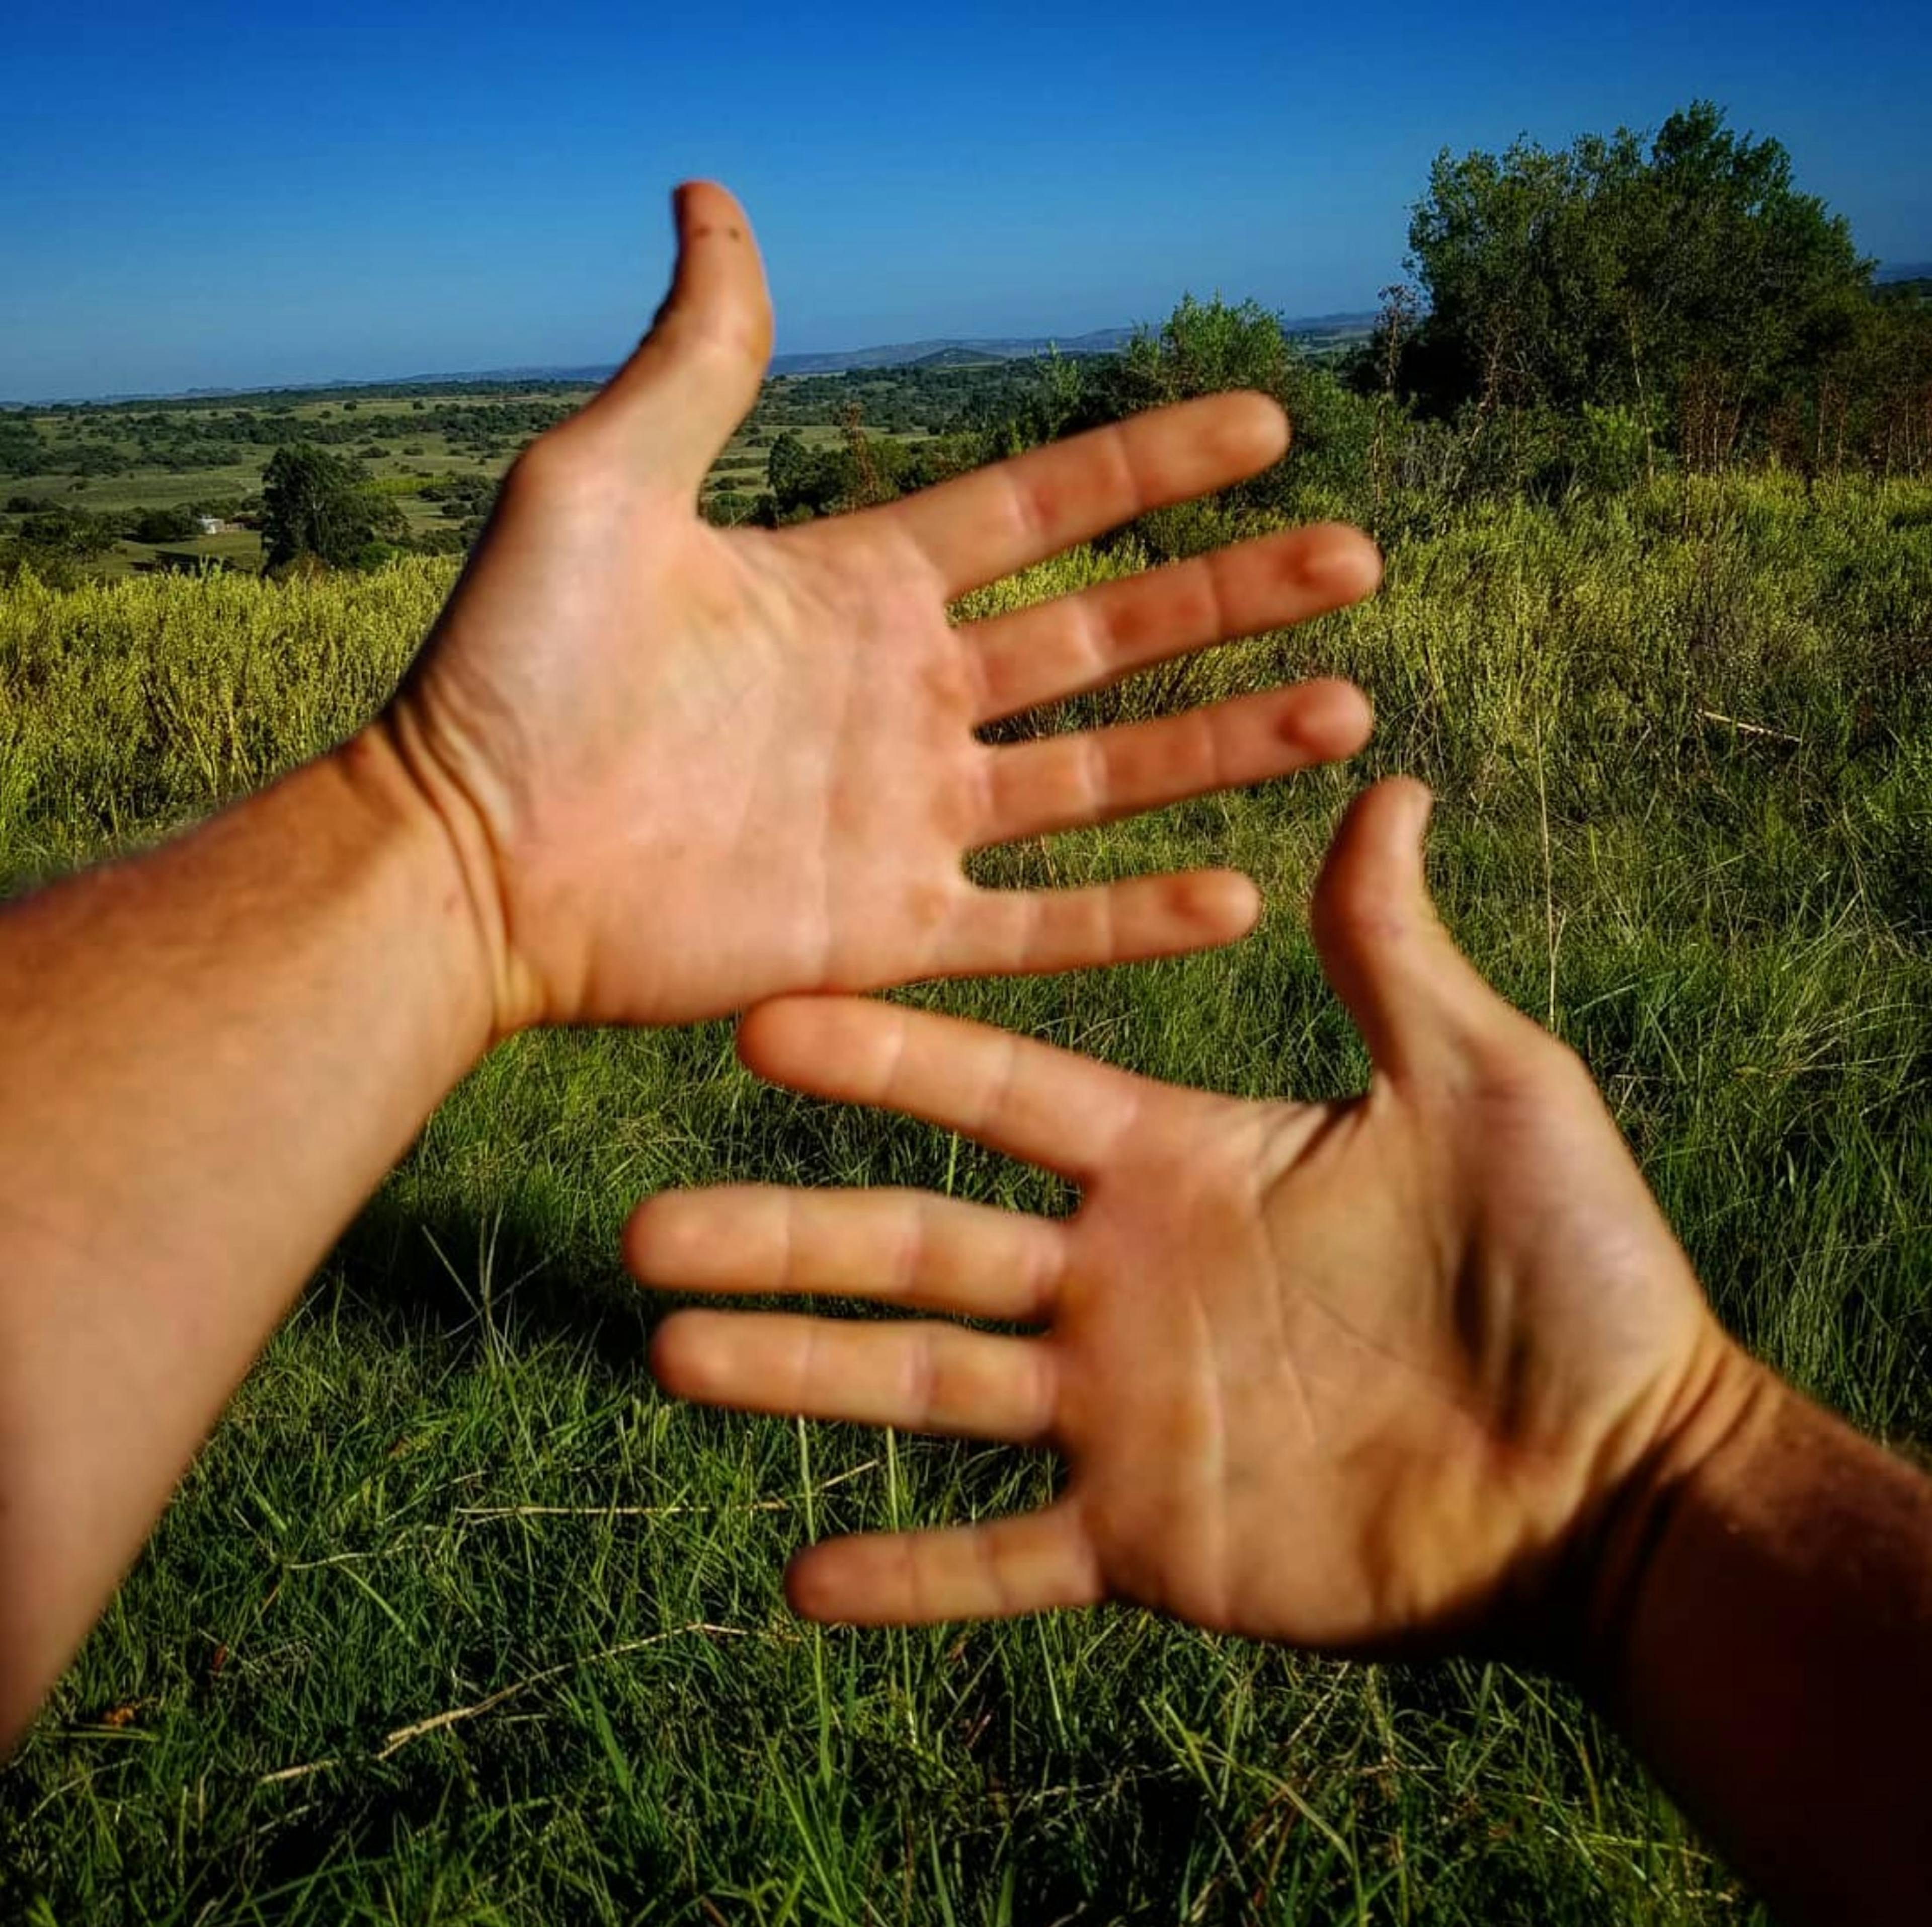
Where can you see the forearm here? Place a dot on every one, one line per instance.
(1775, 1661)
(210, 1054)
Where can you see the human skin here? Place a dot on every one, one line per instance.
(643, 772)
(1419, 1370)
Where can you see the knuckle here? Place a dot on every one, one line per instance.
(556, 462)
(736, 336)
(1564, 1071)
(926, 1380)
(1520, 1062)
(1369, 917)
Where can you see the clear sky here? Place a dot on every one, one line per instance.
(202, 195)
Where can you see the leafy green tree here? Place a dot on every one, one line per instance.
(1871, 405)
(1689, 275)
(56, 543)
(22, 451)
(1209, 348)
(1202, 348)
(789, 468)
(161, 525)
(315, 503)
(727, 508)
(72, 532)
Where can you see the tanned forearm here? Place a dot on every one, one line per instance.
(210, 1055)
(1774, 1663)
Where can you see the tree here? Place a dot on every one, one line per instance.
(162, 525)
(69, 532)
(1872, 403)
(315, 503)
(1208, 348)
(55, 543)
(1689, 281)
(788, 468)
(1202, 348)
(22, 451)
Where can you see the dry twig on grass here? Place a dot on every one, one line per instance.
(394, 1741)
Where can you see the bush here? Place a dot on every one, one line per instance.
(1613, 448)
(162, 525)
(315, 503)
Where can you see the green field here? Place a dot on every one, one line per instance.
(104, 458)
(458, 1621)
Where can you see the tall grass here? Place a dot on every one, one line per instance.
(458, 1621)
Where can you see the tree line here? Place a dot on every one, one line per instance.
(1682, 289)
(107, 440)
(1576, 318)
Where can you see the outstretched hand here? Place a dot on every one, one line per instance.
(1340, 1374)
(687, 768)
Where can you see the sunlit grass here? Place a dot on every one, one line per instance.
(1683, 741)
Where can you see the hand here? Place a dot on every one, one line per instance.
(1340, 1374)
(686, 768)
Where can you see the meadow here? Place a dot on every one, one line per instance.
(437, 453)
(457, 1620)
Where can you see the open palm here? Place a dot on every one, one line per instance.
(689, 767)
(1335, 1374)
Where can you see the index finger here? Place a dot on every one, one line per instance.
(983, 526)
(1053, 1108)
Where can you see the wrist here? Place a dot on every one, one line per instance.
(1714, 1430)
(1766, 1650)
(463, 868)
(449, 882)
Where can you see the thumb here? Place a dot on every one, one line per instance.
(695, 376)
(1419, 1003)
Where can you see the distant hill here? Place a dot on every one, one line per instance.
(942, 351)
(958, 357)
(1905, 270)
(951, 351)
(973, 351)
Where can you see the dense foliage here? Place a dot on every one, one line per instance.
(319, 504)
(1684, 286)
(1584, 319)
(95, 440)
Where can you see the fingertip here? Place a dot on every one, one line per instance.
(676, 401)
(827, 1043)
(1331, 718)
(1421, 800)
(699, 201)
(670, 1357)
(660, 1238)
(1409, 801)
(806, 1591)
(639, 1234)
(1338, 558)
(1214, 906)
(1351, 889)
(773, 1035)
(1263, 425)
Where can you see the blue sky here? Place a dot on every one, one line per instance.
(198, 195)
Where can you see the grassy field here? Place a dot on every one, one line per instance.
(412, 451)
(458, 1621)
